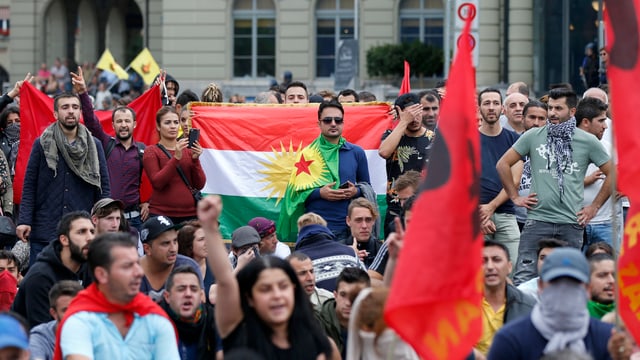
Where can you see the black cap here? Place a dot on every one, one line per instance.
(154, 227)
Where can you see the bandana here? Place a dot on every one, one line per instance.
(559, 149)
(561, 317)
(92, 299)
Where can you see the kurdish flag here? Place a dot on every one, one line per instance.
(146, 66)
(250, 151)
(108, 63)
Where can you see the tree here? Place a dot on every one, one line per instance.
(387, 60)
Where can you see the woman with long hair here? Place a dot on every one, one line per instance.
(164, 162)
(264, 309)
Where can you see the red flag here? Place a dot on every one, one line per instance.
(440, 315)
(36, 113)
(623, 72)
(405, 87)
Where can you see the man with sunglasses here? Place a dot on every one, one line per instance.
(324, 177)
(405, 148)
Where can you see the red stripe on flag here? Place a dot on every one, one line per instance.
(440, 315)
(254, 127)
(36, 113)
(622, 20)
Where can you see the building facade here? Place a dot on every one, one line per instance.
(243, 44)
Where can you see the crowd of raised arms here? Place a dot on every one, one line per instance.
(98, 269)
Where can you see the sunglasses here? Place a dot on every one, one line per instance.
(329, 120)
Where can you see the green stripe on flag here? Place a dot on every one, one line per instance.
(238, 210)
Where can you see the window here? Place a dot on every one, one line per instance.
(422, 20)
(254, 38)
(334, 22)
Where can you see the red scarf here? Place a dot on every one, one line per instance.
(93, 300)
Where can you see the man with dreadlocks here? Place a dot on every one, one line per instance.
(559, 153)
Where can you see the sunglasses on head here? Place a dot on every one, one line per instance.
(329, 120)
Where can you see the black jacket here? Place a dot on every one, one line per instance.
(204, 333)
(32, 300)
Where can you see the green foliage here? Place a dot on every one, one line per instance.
(387, 59)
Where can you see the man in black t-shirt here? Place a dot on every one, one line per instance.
(405, 148)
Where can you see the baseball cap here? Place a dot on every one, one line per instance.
(12, 334)
(243, 236)
(565, 262)
(102, 203)
(263, 226)
(155, 226)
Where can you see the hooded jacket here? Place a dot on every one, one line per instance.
(32, 300)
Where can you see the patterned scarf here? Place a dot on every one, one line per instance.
(559, 148)
(81, 156)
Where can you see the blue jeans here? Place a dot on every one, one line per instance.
(598, 233)
(135, 222)
(533, 231)
(34, 249)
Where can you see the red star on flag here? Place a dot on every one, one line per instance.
(303, 165)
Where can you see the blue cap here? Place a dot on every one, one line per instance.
(12, 334)
(565, 262)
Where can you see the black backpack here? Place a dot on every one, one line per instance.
(112, 144)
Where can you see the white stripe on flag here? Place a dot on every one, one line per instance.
(236, 173)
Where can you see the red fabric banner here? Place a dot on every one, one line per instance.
(36, 113)
(440, 315)
(405, 87)
(622, 20)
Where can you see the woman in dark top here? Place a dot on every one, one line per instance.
(191, 243)
(265, 308)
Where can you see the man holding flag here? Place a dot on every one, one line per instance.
(324, 177)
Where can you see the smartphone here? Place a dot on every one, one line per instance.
(194, 135)
(344, 185)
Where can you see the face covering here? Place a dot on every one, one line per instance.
(562, 316)
(8, 290)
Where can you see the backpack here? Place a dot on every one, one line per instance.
(112, 144)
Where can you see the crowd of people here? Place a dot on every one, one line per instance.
(114, 273)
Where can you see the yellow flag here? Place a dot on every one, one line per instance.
(145, 65)
(108, 63)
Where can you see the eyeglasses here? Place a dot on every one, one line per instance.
(329, 119)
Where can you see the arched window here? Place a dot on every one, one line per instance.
(254, 38)
(334, 22)
(422, 20)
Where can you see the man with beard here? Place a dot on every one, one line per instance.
(63, 259)
(324, 177)
(66, 171)
(405, 148)
(497, 212)
(112, 319)
(193, 318)
(430, 100)
(559, 153)
(123, 154)
(601, 285)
